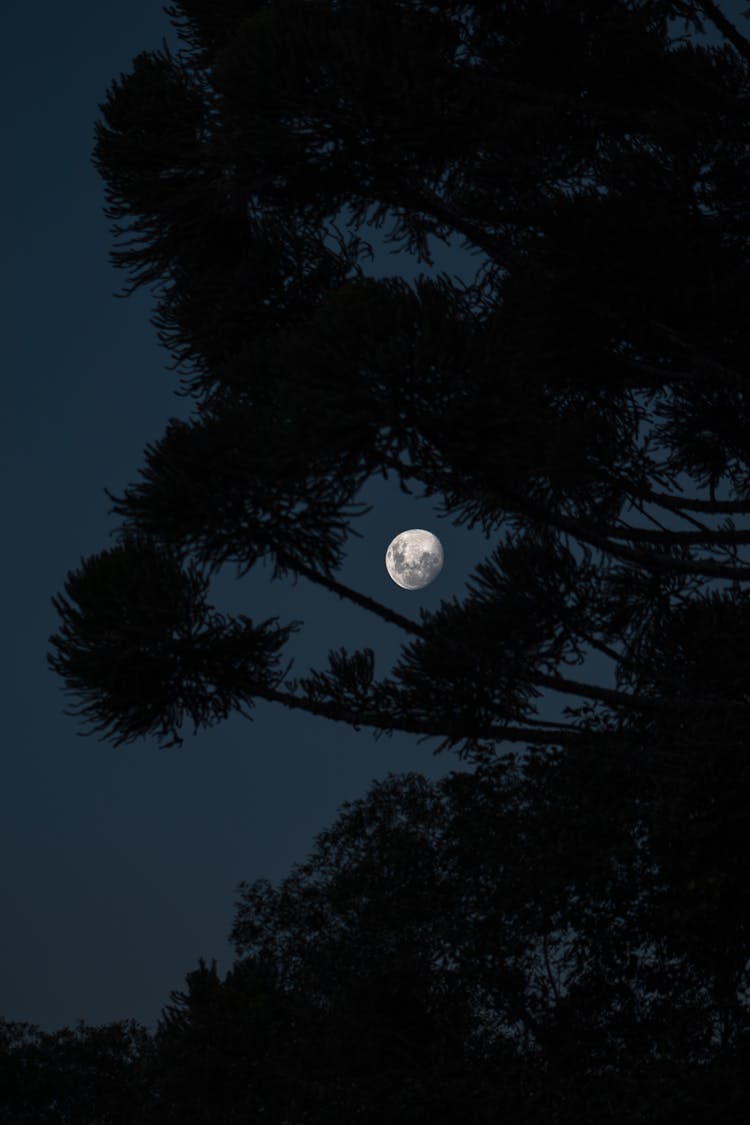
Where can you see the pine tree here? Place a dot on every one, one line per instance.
(585, 401)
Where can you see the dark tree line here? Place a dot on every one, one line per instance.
(528, 941)
(558, 936)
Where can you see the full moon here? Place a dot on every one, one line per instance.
(414, 558)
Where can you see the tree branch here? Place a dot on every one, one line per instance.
(431, 204)
(600, 539)
(616, 698)
(359, 599)
(563, 736)
(711, 507)
(676, 503)
(649, 560)
(728, 30)
(643, 535)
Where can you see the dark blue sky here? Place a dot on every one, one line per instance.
(120, 865)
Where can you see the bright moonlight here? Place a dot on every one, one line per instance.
(414, 558)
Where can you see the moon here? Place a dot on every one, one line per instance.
(414, 558)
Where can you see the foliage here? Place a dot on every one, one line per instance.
(74, 1075)
(575, 400)
(562, 937)
(502, 943)
(140, 646)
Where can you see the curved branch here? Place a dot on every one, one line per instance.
(644, 535)
(564, 736)
(615, 698)
(359, 599)
(649, 560)
(727, 29)
(712, 507)
(676, 503)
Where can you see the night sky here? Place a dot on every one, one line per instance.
(120, 866)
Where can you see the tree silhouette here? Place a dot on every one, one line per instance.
(585, 400)
(534, 914)
(218, 1048)
(495, 944)
(75, 1076)
(505, 942)
(559, 938)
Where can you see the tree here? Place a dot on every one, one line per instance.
(493, 945)
(578, 400)
(74, 1076)
(585, 401)
(219, 1048)
(484, 947)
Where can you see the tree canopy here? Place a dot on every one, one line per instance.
(525, 941)
(563, 935)
(75, 1076)
(584, 400)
